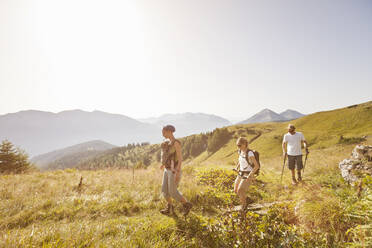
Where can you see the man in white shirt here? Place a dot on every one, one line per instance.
(292, 143)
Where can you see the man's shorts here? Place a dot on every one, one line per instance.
(295, 162)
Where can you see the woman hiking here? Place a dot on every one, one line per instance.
(172, 173)
(247, 168)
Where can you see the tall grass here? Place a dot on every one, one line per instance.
(113, 209)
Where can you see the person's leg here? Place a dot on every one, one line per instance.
(236, 184)
(293, 173)
(299, 167)
(242, 190)
(173, 191)
(165, 191)
(175, 194)
(291, 167)
(164, 186)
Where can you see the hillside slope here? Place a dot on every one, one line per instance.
(321, 130)
(120, 208)
(70, 156)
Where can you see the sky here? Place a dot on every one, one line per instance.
(146, 58)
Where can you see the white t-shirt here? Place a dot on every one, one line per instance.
(294, 143)
(244, 166)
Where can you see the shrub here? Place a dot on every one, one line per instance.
(218, 178)
(350, 140)
(246, 230)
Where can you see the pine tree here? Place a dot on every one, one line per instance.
(12, 159)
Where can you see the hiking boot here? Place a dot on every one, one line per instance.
(294, 182)
(244, 207)
(187, 207)
(299, 177)
(248, 201)
(168, 210)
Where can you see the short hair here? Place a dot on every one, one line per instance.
(291, 126)
(242, 141)
(169, 128)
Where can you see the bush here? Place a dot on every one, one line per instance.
(246, 230)
(218, 178)
(254, 230)
(351, 140)
(219, 192)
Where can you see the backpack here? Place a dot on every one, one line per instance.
(168, 153)
(257, 157)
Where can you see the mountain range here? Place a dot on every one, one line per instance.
(267, 115)
(40, 132)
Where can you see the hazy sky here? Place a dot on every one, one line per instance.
(145, 58)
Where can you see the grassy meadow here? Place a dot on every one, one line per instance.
(120, 207)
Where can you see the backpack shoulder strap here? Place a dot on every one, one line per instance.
(174, 141)
(247, 157)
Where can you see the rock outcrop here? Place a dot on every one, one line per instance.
(358, 165)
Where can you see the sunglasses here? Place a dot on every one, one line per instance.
(239, 145)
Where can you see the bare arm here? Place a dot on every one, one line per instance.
(237, 166)
(305, 146)
(284, 146)
(255, 168)
(179, 155)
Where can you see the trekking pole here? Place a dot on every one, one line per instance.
(281, 177)
(303, 171)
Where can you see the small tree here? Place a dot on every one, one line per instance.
(12, 159)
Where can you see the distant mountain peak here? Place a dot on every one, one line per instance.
(268, 115)
(266, 110)
(291, 114)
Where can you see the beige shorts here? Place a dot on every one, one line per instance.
(243, 184)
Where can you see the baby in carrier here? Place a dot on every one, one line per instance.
(166, 158)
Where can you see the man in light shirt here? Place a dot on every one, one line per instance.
(292, 143)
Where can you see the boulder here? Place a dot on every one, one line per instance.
(358, 165)
(362, 152)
